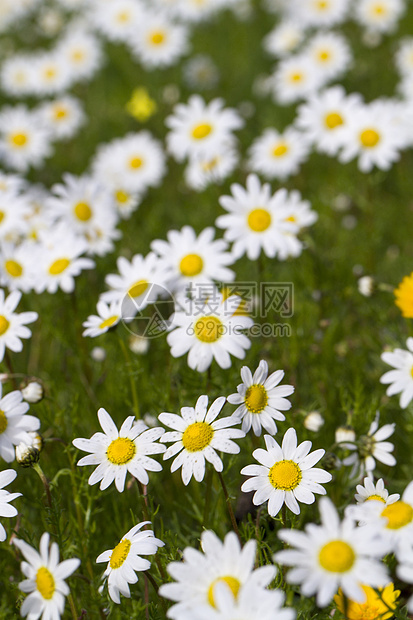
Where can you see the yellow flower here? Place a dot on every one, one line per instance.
(404, 296)
(376, 606)
(141, 106)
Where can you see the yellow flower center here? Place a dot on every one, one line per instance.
(285, 475)
(4, 325)
(291, 218)
(197, 436)
(324, 55)
(82, 211)
(13, 268)
(322, 5)
(108, 322)
(121, 196)
(337, 556)
(411, 371)
(333, 120)
(2, 214)
(232, 582)
(137, 289)
(296, 77)
(398, 514)
(123, 17)
(369, 138)
(60, 112)
(208, 329)
(201, 131)
(78, 55)
(121, 451)
(259, 220)
(18, 139)
(375, 497)
(58, 266)
(256, 398)
(45, 583)
(136, 162)
(49, 73)
(157, 38)
(191, 265)
(120, 553)
(3, 421)
(378, 9)
(280, 150)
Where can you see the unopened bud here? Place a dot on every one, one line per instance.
(98, 354)
(33, 392)
(313, 421)
(138, 344)
(29, 454)
(366, 286)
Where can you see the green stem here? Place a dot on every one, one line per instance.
(72, 606)
(142, 489)
(12, 374)
(131, 380)
(208, 491)
(228, 502)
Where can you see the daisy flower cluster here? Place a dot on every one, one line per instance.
(211, 176)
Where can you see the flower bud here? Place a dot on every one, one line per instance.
(313, 421)
(33, 392)
(345, 434)
(29, 454)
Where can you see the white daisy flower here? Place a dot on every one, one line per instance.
(15, 426)
(16, 75)
(371, 491)
(334, 555)
(404, 57)
(379, 15)
(319, 13)
(295, 78)
(284, 38)
(251, 603)
(119, 20)
(285, 474)
(190, 259)
(198, 128)
(51, 74)
(197, 436)
(197, 577)
(401, 378)
(59, 260)
(84, 205)
(158, 41)
(278, 155)
(13, 325)
(124, 560)
(24, 142)
(330, 54)
(136, 162)
(138, 283)
(63, 117)
(45, 579)
(260, 400)
(108, 316)
(255, 220)
(393, 522)
(14, 211)
(118, 452)
(202, 170)
(81, 51)
(16, 266)
(373, 137)
(325, 117)
(208, 330)
(370, 448)
(7, 476)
